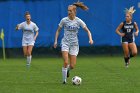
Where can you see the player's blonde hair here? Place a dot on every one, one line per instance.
(81, 5)
(130, 11)
(78, 4)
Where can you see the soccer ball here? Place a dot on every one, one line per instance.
(76, 80)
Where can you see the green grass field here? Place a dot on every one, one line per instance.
(99, 75)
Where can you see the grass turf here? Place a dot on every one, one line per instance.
(99, 75)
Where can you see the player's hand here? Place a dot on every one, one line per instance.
(136, 33)
(55, 44)
(122, 34)
(91, 41)
(17, 27)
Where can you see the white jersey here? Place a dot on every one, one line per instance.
(28, 31)
(71, 28)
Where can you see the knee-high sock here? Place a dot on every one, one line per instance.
(131, 56)
(29, 58)
(126, 59)
(64, 74)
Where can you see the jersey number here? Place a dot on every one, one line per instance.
(128, 30)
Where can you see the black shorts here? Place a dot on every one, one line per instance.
(127, 39)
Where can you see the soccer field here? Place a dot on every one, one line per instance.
(99, 75)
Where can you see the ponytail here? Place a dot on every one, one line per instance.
(81, 5)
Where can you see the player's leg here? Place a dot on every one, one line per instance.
(133, 49)
(72, 61)
(73, 56)
(25, 51)
(126, 53)
(64, 50)
(29, 54)
(72, 64)
(64, 68)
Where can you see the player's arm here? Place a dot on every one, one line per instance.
(19, 26)
(58, 31)
(118, 30)
(56, 36)
(89, 34)
(137, 29)
(36, 29)
(36, 35)
(83, 25)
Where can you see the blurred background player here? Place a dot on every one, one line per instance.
(70, 46)
(128, 35)
(28, 27)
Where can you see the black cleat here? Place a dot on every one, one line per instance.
(127, 64)
(68, 73)
(64, 82)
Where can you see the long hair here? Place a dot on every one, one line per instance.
(81, 5)
(130, 11)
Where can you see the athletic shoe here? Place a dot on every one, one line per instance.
(68, 73)
(64, 82)
(126, 65)
(28, 65)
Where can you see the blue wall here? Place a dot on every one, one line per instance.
(102, 18)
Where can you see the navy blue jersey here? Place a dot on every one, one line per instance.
(128, 29)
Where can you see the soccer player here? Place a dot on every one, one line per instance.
(29, 28)
(126, 31)
(69, 43)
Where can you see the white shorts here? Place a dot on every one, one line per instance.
(71, 49)
(28, 44)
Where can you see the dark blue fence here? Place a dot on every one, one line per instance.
(102, 18)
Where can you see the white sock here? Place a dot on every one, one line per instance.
(68, 67)
(64, 74)
(29, 59)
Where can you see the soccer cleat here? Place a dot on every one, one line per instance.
(64, 82)
(28, 65)
(126, 65)
(68, 73)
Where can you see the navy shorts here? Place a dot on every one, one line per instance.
(127, 40)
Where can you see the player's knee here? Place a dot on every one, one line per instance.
(28, 53)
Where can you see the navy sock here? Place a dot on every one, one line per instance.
(131, 56)
(126, 59)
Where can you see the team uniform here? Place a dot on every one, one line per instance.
(28, 33)
(128, 29)
(70, 40)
